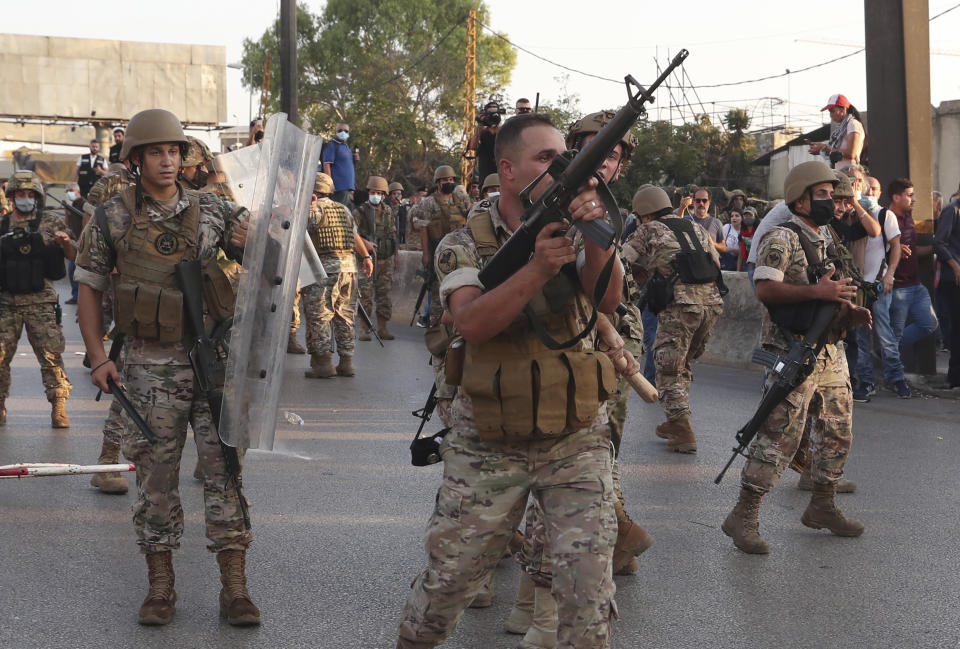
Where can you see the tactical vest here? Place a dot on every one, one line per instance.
(86, 176)
(26, 260)
(379, 221)
(449, 220)
(693, 264)
(334, 233)
(521, 389)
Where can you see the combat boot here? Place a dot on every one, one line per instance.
(109, 483)
(681, 437)
(844, 486)
(629, 568)
(364, 333)
(3, 412)
(58, 414)
(542, 633)
(345, 366)
(823, 512)
(382, 329)
(293, 347)
(484, 597)
(160, 605)
(321, 367)
(521, 615)
(632, 540)
(235, 602)
(742, 525)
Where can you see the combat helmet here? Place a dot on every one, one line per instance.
(444, 171)
(152, 126)
(25, 179)
(197, 153)
(492, 180)
(323, 184)
(650, 200)
(394, 186)
(843, 188)
(592, 123)
(804, 175)
(378, 183)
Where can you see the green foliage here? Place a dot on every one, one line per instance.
(394, 70)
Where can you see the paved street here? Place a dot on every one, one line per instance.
(338, 514)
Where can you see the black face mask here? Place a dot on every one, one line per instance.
(749, 222)
(447, 188)
(821, 211)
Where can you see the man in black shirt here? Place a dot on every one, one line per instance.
(117, 145)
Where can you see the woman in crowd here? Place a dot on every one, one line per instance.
(747, 228)
(731, 236)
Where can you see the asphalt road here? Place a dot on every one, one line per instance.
(339, 512)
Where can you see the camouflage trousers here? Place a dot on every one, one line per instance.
(617, 404)
(826, 399)
(165, 397)
(295, 316)
(485, 488)
(436, 307)
(378, 287)
(113, 426)
(682, 334)
(326, 303)
(46, 338)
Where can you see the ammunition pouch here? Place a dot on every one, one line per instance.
(149, 311)
(218, 294)
(386, 247)
(658, 294)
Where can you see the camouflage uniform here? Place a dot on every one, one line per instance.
(684, 326)
(825, 396)
(38, 313)
(332, 299)
(160, 380)
(109, 186)
(385, 236)
(434, 211)
(490, 469)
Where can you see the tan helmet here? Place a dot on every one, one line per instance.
(25, 180)
(197, 153)
(592, 123)
(843, 188)
(323, 184)
(151, 126)
(804, 175)
(378, 183)
(395, 186)
(444, 171)
(493, 180)
(650, 200)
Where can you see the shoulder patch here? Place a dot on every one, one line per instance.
(447, 261)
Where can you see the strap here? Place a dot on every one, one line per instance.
(100, 214)
(4, 224)
(809, 250)
(680, 226)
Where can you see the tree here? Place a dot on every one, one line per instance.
(393, 70)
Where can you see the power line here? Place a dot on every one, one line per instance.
(426, 54)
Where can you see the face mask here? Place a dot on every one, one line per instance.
(447, 188)
(71, 196)
(25, 205)
(821, 211)
(869, 203)
(343, 136)
(748, 222)
(375, 199)
(492, 195)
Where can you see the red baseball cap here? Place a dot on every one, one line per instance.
(836, 100)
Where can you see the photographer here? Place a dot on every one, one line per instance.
(488, 123)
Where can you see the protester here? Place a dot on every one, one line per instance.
(729, 259)
(338, 163)
(747, 228)
(846, 138)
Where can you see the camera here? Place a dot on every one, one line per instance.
(490, 115)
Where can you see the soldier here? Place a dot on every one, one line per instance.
(399, 207)
(678, 254)
(377, 225)
(506, 442)
(790, 259)
(491, 186)
(143, 233)
(334, 235)
(33, 244)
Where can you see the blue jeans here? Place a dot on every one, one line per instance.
(650, 323)
(913, 302)
(889, 348)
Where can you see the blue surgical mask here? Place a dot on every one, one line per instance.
(343, 136)
(71, 196)
(25, 205)
(375, 199)
(492, 195)
(869, 203)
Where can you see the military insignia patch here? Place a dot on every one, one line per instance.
(25, 249)
(447, 262)
(166, 244)
(773, 259)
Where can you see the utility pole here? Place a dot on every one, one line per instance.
(288, 60)
(470, 90)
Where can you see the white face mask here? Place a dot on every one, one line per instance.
(25, 205)
(343, 136)
(71, 196)
(375, 199)
(492, 195)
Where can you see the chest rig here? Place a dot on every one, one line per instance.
(519, 387)
(25, 260)
(334, 231)
(451, 218)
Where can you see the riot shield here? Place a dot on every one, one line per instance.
(274, 180)
(311, 270)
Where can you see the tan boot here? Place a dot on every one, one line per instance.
(844, 486)
(663, 430)
(823, 512)
(629, 568)
(521, 615)
(235, 602)
(364, 333)
(632, 540)
(742, 525)
(542, 633)
(321, 367)
(109, 483)
(160, 605)
(681, 437)
(293, 347)
(382, 329)
(345, 367)
(484, 598)
(58, 413)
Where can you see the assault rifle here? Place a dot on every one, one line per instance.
(114, 354)
(790, 370)
(570, 172)
(428, 275)
(202, 355)
(65, 205)
(426, 451)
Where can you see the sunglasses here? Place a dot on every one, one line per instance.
(524, 110)
(701, 200)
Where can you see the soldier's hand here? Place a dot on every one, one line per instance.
(552, 253)
(61, 238)
(831, 290)
(861, 315)
(100, 373)
(425, 259)
(367, 267)
(239, 235)
(587, 205)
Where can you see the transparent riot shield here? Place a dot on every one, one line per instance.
(274, 181)
(311, 269)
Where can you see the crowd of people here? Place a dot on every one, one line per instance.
(507, 390)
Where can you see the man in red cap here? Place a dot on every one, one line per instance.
(846, 138)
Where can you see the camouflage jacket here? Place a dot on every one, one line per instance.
(385, 222)
(50, 223)
(653, 248)
(109, 186)
(429, 208)
(333, 262)
(97, 257)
